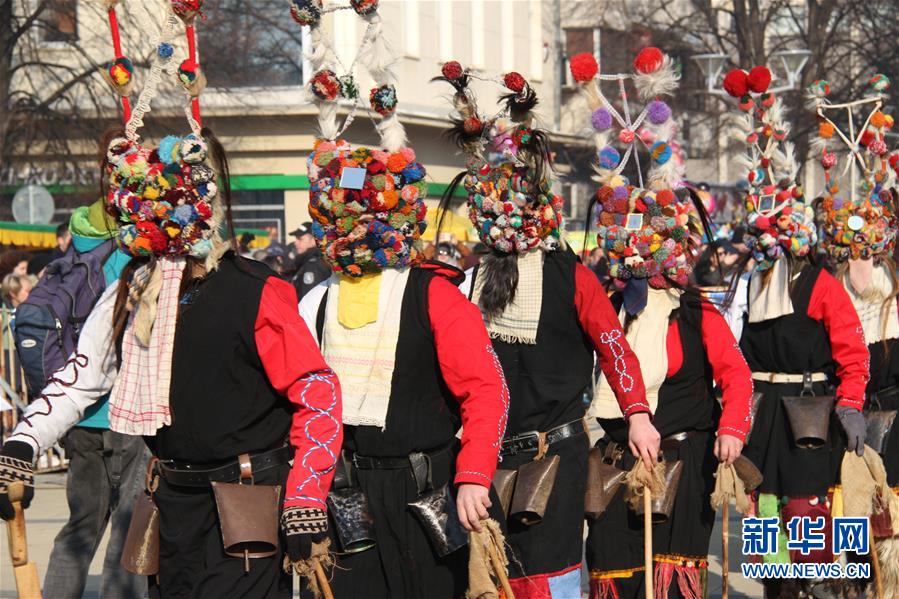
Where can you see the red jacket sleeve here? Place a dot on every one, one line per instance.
(618, 362)
(296, 369)
(474, 375)
(730, 372)
(831, 305)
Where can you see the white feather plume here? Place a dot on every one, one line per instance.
(663, 81)
(393, 134)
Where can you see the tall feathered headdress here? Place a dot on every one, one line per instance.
(509, 167)
(643, 226)
(859, 217)
(367, 204)
(778, 219)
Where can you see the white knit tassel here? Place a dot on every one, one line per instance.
(663, 176)
(393, 134)
(378, 57)
(818, 144)
(791, 166)
(744, 161)
(601, 139)
(664, 131)
(327, 120)
(663, 81)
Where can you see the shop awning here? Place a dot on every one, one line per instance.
(27, 236)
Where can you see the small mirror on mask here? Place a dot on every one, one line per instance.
(766, 204)
(352, 177)
(634, 221)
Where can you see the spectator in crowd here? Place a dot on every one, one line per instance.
(15, 289)
(244, 242)
(63, 240)
(448, 254)
(310, 268)
(38, 263)
(14, 261)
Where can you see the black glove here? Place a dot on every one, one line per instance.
(303, 527)
(15, 465)
(856, 429)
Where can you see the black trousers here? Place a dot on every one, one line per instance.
(192, 560)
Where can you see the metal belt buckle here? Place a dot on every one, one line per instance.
(514, 442)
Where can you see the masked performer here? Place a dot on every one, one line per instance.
(859, 236)
(802, 336)
(682, 341)
(412, 355)
(206, 357)
(547, 317)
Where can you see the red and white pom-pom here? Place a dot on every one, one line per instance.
(583, 67)
(648, 60)
(758, 79)
(452, 70)
(514, 81)
(736, 83)
(655, 74)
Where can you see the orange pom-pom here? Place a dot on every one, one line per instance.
(878, 119)
(825, 130)
(396, 163)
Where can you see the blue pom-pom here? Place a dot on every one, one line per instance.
(167, 148)
(165, 50)
(609, 157)
(414, 172)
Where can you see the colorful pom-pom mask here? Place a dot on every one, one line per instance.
(778, 220)
(164, 198)
(510, 200)
(367, 204)
(643, 229)
(859, 221)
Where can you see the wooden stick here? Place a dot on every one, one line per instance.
(500, 570)
(875, 564)
(27, 584)
(725, 558)
(323, 582)
(647, 541)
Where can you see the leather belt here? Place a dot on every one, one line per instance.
(196, 475)
(782, 377)
(530, 441)
(378, 463)
(673, 441)
(876, 399)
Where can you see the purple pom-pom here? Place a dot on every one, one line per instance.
(620, 193)
(601, 119)
(658, 112)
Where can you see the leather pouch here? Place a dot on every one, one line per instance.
(436, 511)
(533, 487)
(603, 482)
(248, 515)
(748, 473)
(663, 506)
(504, 483)
(880, 423)
(140, 554)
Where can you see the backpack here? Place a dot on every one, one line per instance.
(49, 322)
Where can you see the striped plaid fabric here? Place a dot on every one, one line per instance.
(139, 404)
(518, 322)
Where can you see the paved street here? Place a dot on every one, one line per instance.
(48, 513)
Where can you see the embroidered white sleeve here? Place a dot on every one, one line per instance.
(87, 376)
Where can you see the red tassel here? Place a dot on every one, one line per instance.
(689, 582)
(662, 580)
(603, 588)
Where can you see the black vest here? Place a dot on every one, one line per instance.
(686, 399)
(423, 414)
(221, 400)
(547, 381)
(791, 344)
